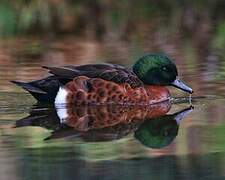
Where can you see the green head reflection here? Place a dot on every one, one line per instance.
(160, 132)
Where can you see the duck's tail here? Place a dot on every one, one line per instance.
(29, 87)
(37, 91)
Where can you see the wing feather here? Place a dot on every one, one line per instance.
(109, 72)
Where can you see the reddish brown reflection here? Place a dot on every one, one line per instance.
(85, 118)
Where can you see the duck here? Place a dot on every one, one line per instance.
(142, 84)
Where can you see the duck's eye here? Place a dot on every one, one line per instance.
(164, 68)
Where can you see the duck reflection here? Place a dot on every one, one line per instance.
(152, 126)
(160, 132)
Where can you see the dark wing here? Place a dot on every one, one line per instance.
(109, 72)
(44, 90)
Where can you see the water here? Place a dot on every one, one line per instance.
(35, 145)
(41, 147)
(44, 149)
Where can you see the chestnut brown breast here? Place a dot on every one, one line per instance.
(84, 90)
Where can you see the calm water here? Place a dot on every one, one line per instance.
(34, 145)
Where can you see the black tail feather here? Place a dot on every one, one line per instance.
(39, 94)
(29, 87)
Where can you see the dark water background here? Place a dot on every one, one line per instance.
(57, 32)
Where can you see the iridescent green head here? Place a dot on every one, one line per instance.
(158, 69)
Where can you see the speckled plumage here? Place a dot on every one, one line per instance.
(84, 90)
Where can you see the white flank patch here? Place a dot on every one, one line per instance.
(62, 113)
(60, 102)
(61, 96)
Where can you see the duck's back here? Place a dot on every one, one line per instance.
(109, 72)
(45, 90)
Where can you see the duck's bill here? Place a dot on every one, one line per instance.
(180, 115)
(180, 85)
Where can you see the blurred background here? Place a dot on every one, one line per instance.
(34, 33)
(56, 32)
